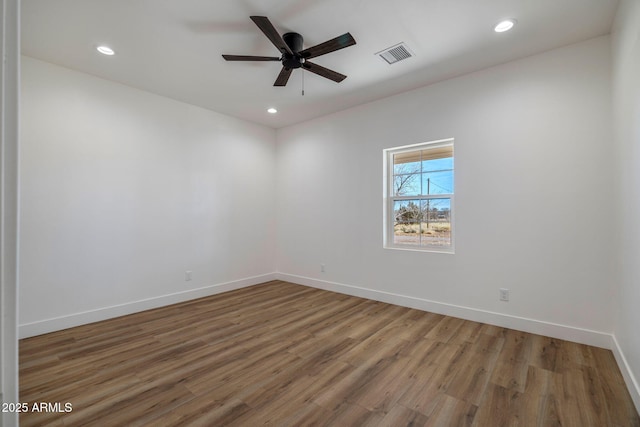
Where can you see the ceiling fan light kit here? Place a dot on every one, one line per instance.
(293, 55)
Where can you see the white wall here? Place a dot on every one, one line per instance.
(533, 196)
(626, 107)
(123, 191)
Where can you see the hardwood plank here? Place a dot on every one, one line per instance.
(453, 412)
(432, 391)
(471, 380)
(386, 387)
(500, 407)
(540, 406)
(135, 404)
(351, 386)
(345, 414)
(517, 346)
(581, 398)
(620, 407)
(445, 329)
(544, 352)
(468, 332)
(287, 355)
(510, 375)
(202, 411)
(401, 416)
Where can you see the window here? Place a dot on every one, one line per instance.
(419, 196)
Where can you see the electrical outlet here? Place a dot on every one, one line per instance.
(187, 275)
(504, 294)
(321, 268)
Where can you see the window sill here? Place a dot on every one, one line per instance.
(424, 249)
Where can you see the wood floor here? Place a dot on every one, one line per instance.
(287, 355)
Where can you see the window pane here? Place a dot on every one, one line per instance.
(437, 165)
(406, 175)
(435, 226)
(401, 165)
(437, 182)
(406, 184)
(406, 226)
(411, 158)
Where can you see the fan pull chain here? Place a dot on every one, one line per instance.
(302, 82)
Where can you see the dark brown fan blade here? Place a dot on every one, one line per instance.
(272, 34)
(324, 72)
(329, 46)
(283, 77)
(250, 58)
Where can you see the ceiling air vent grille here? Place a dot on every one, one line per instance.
(395, 53)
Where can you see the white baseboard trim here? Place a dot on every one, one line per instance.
(629, 378)
(58, 323)
(569, 333)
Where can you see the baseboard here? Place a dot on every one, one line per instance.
(569, 333)
(83, 318)
(629, 378)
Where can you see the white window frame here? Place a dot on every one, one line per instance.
(390, 198)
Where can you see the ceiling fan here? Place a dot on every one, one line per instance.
(293, 56)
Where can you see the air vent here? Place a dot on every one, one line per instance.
(395, 53)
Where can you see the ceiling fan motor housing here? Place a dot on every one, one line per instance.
(294, 41)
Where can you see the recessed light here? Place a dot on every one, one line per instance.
(105, 50)
(505, 25)
(272, 110)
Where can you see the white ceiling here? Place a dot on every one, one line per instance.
(173, 47)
